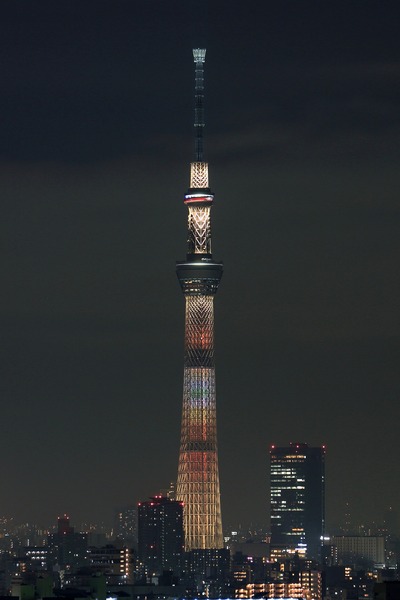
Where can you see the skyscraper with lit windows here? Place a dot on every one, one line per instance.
(297, 508)
(160, 535)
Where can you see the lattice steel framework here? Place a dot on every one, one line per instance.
(198, 175)
(199, 276)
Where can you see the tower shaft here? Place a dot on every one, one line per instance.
(198, 478)
(199, 276)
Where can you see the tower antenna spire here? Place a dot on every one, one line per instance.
(199, 56)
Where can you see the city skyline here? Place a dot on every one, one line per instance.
(303, 139)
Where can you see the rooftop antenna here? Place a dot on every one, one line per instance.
(199, 56)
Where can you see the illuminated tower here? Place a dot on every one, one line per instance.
(199, 276)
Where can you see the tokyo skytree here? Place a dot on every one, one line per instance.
(199, 276)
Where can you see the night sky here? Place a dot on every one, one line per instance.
(302, 137)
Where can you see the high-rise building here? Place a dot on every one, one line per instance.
(297, 511)
(352, 548)
(160, 535)
(67, 547)
(125, 524)
(199, 276)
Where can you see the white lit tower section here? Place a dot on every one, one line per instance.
(199, 276)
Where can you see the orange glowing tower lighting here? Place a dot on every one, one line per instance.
(199, 276)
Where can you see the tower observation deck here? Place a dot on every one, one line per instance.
(199, 276)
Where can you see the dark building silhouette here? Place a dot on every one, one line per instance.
(387, 590)
(160, 535)
(206, 572)
(63, 526)
(67, 548)
(297, 500)
(125, 524)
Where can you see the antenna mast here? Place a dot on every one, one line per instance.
(199, 56)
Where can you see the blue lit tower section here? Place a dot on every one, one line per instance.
(199, 276)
